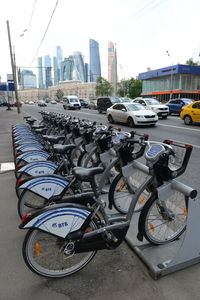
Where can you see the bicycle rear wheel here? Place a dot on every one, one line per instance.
(122, 191)
(163, 222)
(48, 256)
(29, 202)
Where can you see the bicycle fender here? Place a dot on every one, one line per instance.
(39, 168)
(29, 147)
(32, 156)
(58, 220)
(26, 141)
(46, 187)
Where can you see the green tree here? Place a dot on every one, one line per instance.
(135, 88)
(103, 87)
(59, 94)
(122, 88)
(191, 62)
(130, 88)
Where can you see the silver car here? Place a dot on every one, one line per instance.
(131, 114)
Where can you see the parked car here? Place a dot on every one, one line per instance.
(125, 99)
(42, 103)
(176, 104)
(15, 104)
(31, 102)
(92, 104)
(3, 103)
(131, 114)
(191, 113)
(103, 103)
(53, 102)
(153, 104)
(85, 102)
(71, 102)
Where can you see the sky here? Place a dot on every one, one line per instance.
(143, 31)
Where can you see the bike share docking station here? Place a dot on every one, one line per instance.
(179, 254)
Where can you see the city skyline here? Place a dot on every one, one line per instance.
(143, 31)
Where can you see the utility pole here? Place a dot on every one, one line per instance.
(13, 68)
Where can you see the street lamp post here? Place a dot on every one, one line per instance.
(13, 68)
(171, 76)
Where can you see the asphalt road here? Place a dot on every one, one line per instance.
(171, 128)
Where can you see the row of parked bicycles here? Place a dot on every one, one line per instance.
(79, 184)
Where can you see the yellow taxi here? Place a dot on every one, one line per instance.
(191, 113)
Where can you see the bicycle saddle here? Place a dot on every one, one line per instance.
(63, 149)
(53, 138)
(86, 174)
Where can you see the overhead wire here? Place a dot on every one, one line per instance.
(154, 6)
(141, 12)
(32, 12)
(46, 30)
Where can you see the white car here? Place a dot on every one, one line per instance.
(31, 102)
(131, 114)
(153, 104)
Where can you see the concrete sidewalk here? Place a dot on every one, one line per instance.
(117, 274)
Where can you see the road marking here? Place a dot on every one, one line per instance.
(179, 127)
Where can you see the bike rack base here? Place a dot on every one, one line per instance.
(178, 255)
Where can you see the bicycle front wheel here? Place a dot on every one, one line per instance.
(122, 191)
(46, 255)
(164, 221)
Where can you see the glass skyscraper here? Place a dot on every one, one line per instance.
(40, 73)
(95, 65)
(111, 55)
(73, 68)
(79, 67)
(67, 66)
(48, 67)
(27, 79)
(55, 71)
(59, 57)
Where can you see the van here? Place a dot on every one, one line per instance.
(71, 102)
(105, 102)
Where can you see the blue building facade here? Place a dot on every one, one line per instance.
(95, 65)
(171, 82)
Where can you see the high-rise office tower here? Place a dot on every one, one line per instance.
(48, 67)
(112, 65)
(55, 71)
(67, 66)
(79, 68)
(59, 57)
(73, 68)
(111, 54)
(87, 79)
(95, 65)
(27, 79)
(40, 73)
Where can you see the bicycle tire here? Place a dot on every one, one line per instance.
(29, 202)
(156, 226)
(121, 195)
(44, 254)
